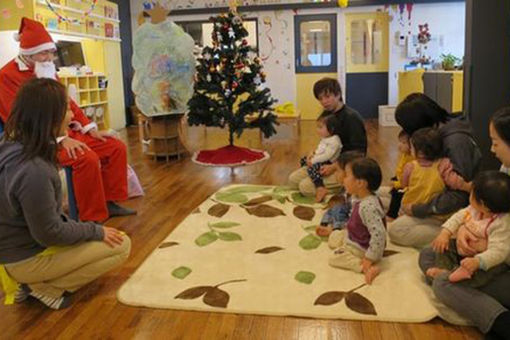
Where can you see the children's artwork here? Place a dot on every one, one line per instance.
(52, 24)
(164, 68)
(6, 13)
(108, 30)
(19, 4)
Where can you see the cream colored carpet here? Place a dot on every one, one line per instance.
(252, 249)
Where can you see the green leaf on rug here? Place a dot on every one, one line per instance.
(311, 228)
(223, 225)
(388, 252)
(258, 200)
(268, 250)
(305, 277)
(193, 293)
(247, 189)
(304, 213)
(181, 272)
(298, 198)
(310, 242)
(358, 303)
(206, 238)
(216, 298)
(283, 190)
(231, 197)
(228, 236)
(218, 210)
(168, 244)
(329, 298)
(264, 210)
(280, 199)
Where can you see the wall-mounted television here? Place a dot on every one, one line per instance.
(69, 53)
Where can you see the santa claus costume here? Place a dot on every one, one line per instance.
(99, 174)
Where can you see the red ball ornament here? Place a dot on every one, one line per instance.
(244, 42)
(235, 85)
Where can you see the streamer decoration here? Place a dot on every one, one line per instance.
(62, 18)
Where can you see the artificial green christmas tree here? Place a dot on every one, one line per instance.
(227, 89)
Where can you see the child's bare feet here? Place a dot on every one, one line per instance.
(321, 193)
(371, 273)
(324, 230)
(336, 239)
(460, 274)
(434, 271)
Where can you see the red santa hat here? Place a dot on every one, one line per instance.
(33, 37)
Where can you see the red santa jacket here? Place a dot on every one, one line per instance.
(14, 74)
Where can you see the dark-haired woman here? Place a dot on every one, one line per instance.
(487, 307)
(420, 225)
(40, 249)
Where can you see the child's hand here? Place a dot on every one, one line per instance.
(365, 264)
(407, 209)
(370, 270)
(471, 264)
(324, 230)
(440, 243)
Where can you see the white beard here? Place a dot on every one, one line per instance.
(45, 69)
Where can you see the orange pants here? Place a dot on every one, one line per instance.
(99, 175)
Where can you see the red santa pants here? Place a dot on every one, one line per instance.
(99, 175)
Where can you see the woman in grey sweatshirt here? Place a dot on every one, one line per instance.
(31, 219)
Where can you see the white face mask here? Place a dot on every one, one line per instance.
(45, 69)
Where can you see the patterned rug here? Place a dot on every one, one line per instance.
(253, 249)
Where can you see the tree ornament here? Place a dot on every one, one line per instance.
(231, 33)
(208, 78)
(234, 84)
(245, 42)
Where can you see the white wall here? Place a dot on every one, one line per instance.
(444, 19)
(10, 47)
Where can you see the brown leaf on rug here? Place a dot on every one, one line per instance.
(329, 298)
(193, 293)
(387, 253)
(304, 213)
(216, 298)
(218, 210)
(268, 250)
(196, 211)
(168, 244)
(258, 200)
(264, 210)
(358, 303)
(335, 200)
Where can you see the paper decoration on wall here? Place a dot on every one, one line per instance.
(409, 8)
(284, 22)
(6, 13)
(19, 4)
(164, 68)
(63, 18)
(268, 26)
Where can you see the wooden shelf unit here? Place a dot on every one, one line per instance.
(90, 96)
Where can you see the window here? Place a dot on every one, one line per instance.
(315, 37)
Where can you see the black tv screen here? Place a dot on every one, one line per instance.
(69, 53)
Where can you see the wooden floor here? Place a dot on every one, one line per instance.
(173, 190)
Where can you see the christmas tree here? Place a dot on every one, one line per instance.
(227, 89)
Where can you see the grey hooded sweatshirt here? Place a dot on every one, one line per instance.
(31, 217)
(465, 155)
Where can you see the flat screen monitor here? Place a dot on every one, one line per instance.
(69, 53)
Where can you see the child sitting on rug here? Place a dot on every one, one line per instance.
(336, 216)
(361, 244)
(397, 192)
(326, 153)
(486, 218)
(421, 178)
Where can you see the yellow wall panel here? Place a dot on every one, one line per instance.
(94, 54)
(409, 82)
(306, 103)
(113, 71)
(11, 14)
(458, 88)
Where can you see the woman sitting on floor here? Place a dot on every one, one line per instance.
(40, 248)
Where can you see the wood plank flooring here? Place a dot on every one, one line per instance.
(173, 190)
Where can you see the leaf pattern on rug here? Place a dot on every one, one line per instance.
(304, 213)
(268, 250)
(181, 272)
(213, 296)
(196, 211)
(354, 301)
(231, 197)
(298, 198)
(264, 210)
(389, 252)
(218, 210)
(310, 242)
(304, 277)
(213, 235)
(168, 244)
(283, 190)
(258, 200)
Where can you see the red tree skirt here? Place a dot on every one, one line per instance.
(229, 156)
